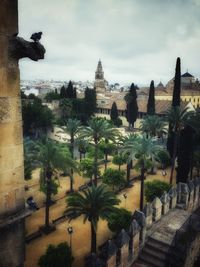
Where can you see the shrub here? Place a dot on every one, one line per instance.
(155, 189)
(91, 153)
(113, 177)
(56, 256)
(121, 219)
(118, 122)
(87, 168)
(119, 160)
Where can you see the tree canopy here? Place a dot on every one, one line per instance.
(155, 189)
(114, 112)
(37, 119)
(131, 105)
(151, 100)
(56, 256)
(90, 102)
(92, 204)
(121, 219)
(114, 178)
(177, 84)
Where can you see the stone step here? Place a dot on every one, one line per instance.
(151, 260)
(140, 263)
(158, 245)
(155, 253)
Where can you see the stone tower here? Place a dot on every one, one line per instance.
(100, 83)
(12, 208)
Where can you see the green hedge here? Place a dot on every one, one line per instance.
(155, 189)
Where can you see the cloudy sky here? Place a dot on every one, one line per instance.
(137, 40)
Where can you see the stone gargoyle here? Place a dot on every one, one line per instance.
(20, 48)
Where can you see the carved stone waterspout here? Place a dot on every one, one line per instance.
(20, 48)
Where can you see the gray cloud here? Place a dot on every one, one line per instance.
(137, 40)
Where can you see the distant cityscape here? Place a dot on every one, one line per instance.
(42, 87)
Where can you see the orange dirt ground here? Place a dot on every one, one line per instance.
(81, 236)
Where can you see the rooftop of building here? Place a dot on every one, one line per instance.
(187, 74)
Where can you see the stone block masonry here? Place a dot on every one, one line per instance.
(12, 207)
(11, 143)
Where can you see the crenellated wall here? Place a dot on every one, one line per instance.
(125, 248)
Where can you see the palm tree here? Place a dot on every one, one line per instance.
(52, 157)
(98, 129)
(129, 163)
(93, 203)
(72, 128)
(143, 150)
(107, 149)
(82, 147)
(178, 118)
(154, 126)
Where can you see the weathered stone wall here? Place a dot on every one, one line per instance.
(11, 142)
(11, 247)
(130, 243)
(193, 252)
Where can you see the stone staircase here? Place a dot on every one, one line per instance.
(155, 253)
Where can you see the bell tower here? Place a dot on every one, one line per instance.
(100, 83)
(99, 74)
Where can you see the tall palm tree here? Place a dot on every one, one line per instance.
(178, 118)
(52, 157)
(154, 126)
(129, 163)
(143, 150)
(98, 129)
(72, 128)
(93, 203)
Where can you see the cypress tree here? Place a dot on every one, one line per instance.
(90, 102)
(63, 92)
(175, 103)
(177, 84)
(151, 100)
(74, 93)
(131, 105)
(114, 112)
(70, 90)
(185, 154)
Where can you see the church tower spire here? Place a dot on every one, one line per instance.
(99, 74)
(100, 83)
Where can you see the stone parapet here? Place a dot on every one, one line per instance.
(157, 209)
(173, 197)
(183, 195)
(148, 212)
(140, 218)
(165, 199)
(130, 244)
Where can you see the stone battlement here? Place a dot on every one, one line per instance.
(170, 212)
